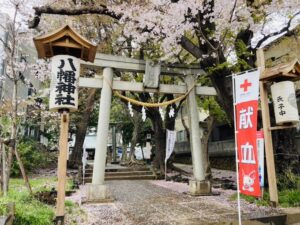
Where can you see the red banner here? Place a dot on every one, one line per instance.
(246, 126)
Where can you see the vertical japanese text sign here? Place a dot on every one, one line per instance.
(246, 104)
(64, 83)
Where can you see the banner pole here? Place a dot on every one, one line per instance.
(236, 153)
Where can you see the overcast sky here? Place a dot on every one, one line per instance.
(4, 8)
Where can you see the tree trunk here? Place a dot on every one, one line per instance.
(13, 134)
(204, 143)
(4, 170)
(124, 152)
(187, 131)
(160, 142)
(75, 157)
(137, 121)
(1, 169)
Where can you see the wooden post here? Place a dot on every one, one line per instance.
(4, 170)
(22, 170)
(267, 132)
(62, 167)
(1, 169)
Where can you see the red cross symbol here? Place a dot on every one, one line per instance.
(245, 85)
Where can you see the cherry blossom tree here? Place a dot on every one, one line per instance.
(16, 75)
(210, 30)
(222, 36)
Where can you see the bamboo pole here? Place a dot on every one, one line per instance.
(62, 167)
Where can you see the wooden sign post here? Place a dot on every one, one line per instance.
(267, 132)
(65, 48)
(282, 72)
(62, 166)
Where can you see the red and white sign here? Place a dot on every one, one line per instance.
(246, 104)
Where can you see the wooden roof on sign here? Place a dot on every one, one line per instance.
(283, 71)
(65, 41)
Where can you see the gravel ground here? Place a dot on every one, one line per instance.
(162, 203)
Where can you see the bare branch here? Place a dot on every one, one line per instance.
(5, 44)
(232, 11)
(101, 10)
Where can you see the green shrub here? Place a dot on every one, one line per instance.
(258, 201)
(286, 198)
(288, 180)
(31, 155)
(29, 211)
(3, 209)
(33, 212)
(289, 198)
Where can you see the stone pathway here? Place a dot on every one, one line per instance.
(144, 202)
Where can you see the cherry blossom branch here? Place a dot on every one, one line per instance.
(199, 29)
(284, 29)
(101, 10)
(230, 20)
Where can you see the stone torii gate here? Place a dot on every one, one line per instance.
(97, 190)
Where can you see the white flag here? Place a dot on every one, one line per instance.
(246, 86)
(171, 138)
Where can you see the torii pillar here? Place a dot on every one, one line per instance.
(97, 190)
(198, 185)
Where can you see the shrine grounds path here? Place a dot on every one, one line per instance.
(143, 202)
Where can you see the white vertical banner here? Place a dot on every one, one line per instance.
(84, 163)
(261, 156)
(245, 101)
(171, 138)
(65, 71)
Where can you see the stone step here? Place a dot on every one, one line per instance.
(135, 173)
(125, 173)
(128, 173)
(143, 177)
(87, 170)
(90, 171)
